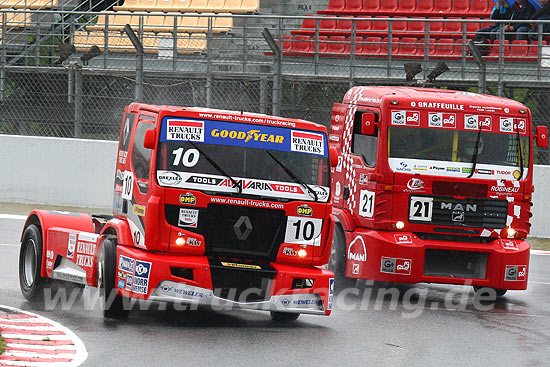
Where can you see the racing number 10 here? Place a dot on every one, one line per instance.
(308, 230)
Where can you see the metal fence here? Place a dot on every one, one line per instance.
(41, 94)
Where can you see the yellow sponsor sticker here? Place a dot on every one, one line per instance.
(139, 210)
(241, 266)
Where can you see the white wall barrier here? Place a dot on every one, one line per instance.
(78, 172)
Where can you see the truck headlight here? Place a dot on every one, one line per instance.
(399, 224)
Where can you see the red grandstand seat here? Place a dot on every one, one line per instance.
(446, 48)
(416, 27)
(301, 45)
(363, 24)
(343, 27)
(399, 28)
(533, 52)
(388, 7)
(336, 46)
(354, 6)
(452, 29)
(406, 8)
(442, 7)
(408, 47)
(287, 43)
(432, 43)
(380, 26)
(327, 24)
(460, 8)
(495, 50)
(435, 26)
(371, 6)
(424, 7)
(308, 23)
(394, 46)
(481, 8)
(471, 28)
(323, 44)
(358, 45)
(334, 7)
(519, 49)
(371, 47)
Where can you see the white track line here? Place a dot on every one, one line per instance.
(9, 245)
(18, 353)
(13, 216)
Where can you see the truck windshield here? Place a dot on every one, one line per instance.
(425, 150)
(189, 151)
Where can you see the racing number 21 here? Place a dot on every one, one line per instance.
(421, 208)
(366, 203)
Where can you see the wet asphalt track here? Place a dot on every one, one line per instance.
(426, 325)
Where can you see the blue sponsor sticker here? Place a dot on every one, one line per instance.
(121, 284)
(126, 264)
(141, 277)
(244, 135)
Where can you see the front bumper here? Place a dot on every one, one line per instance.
(403, 257)
(151, 276)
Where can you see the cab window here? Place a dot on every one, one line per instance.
(364, 145)
(141, 156)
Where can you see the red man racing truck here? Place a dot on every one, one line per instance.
(210, 207)
(432, 186)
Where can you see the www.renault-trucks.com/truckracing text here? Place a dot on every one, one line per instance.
(209, 207)
(432, 186)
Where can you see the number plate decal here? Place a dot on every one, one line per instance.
(366, 203)
(303, 230)
(421, 208)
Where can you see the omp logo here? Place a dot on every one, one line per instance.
(305, 210)
(255, 135)
(188, 198)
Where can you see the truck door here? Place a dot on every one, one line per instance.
(364, 152)
(136, 184)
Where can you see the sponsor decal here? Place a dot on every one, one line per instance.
(121, 275)
(188, 218)
(118, 189)
(129, 282)
(420, 167)
(504, 189)
(453, 169)
(510, 245)
(339, 165)
(241, 266)
(119, 175)
(474, 122)
(49, 263)
(467, 170)
(482, 171)
(121, 284)
(299, 302)
(126, 264)
(406, 118)
(403, 167)
(363, 179)
(71, 245)
(142, 273)
(444, 120)
(169, 178)
(289, 251)
(415, 184)
(357, 250)
(441, 105)
(307, 142)
(506, 124)
(521, 125)
(457, 216)
(184, 130)
(396, 266)
(139, 210)
(515, 273)
(355, 269)
(459, 207)
(182, 292)
(49, 254)
(85, 254)
(192, 241)
(305, 210)
(516, 174)
(437, 168)
(330, 293)
(188, 199)
(122, 155)
(401, 238)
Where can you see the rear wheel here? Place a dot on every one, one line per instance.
(30, 265)
(486, 290)
(112, 304)
(337, 261)
(284, 316)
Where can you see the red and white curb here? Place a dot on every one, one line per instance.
(540, 252)
(33, 340)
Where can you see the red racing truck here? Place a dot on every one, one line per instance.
(210, 207)
(432, 186)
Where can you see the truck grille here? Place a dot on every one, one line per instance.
(470, 212)
(237, 231)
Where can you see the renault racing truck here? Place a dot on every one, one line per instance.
(209, 207)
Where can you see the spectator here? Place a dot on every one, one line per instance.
(521, 10)
(501, 11)
(542, 14)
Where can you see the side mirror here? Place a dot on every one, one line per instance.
(149, 139)
(367, 123)
(333, 156)
(542, 137)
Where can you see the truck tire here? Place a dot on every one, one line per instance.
(284, 316)
(30, 265)
(111, 303)
(337, 261)
(499, 292)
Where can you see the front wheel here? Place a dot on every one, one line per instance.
(284, 316)
(30, 265)
(337, 261)
(485, 290)
(112, 304)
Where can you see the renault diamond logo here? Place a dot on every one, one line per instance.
(242, 228)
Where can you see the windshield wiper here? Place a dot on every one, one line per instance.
(293, 175)
(519, 154)
(218, 168)
(476, 148)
